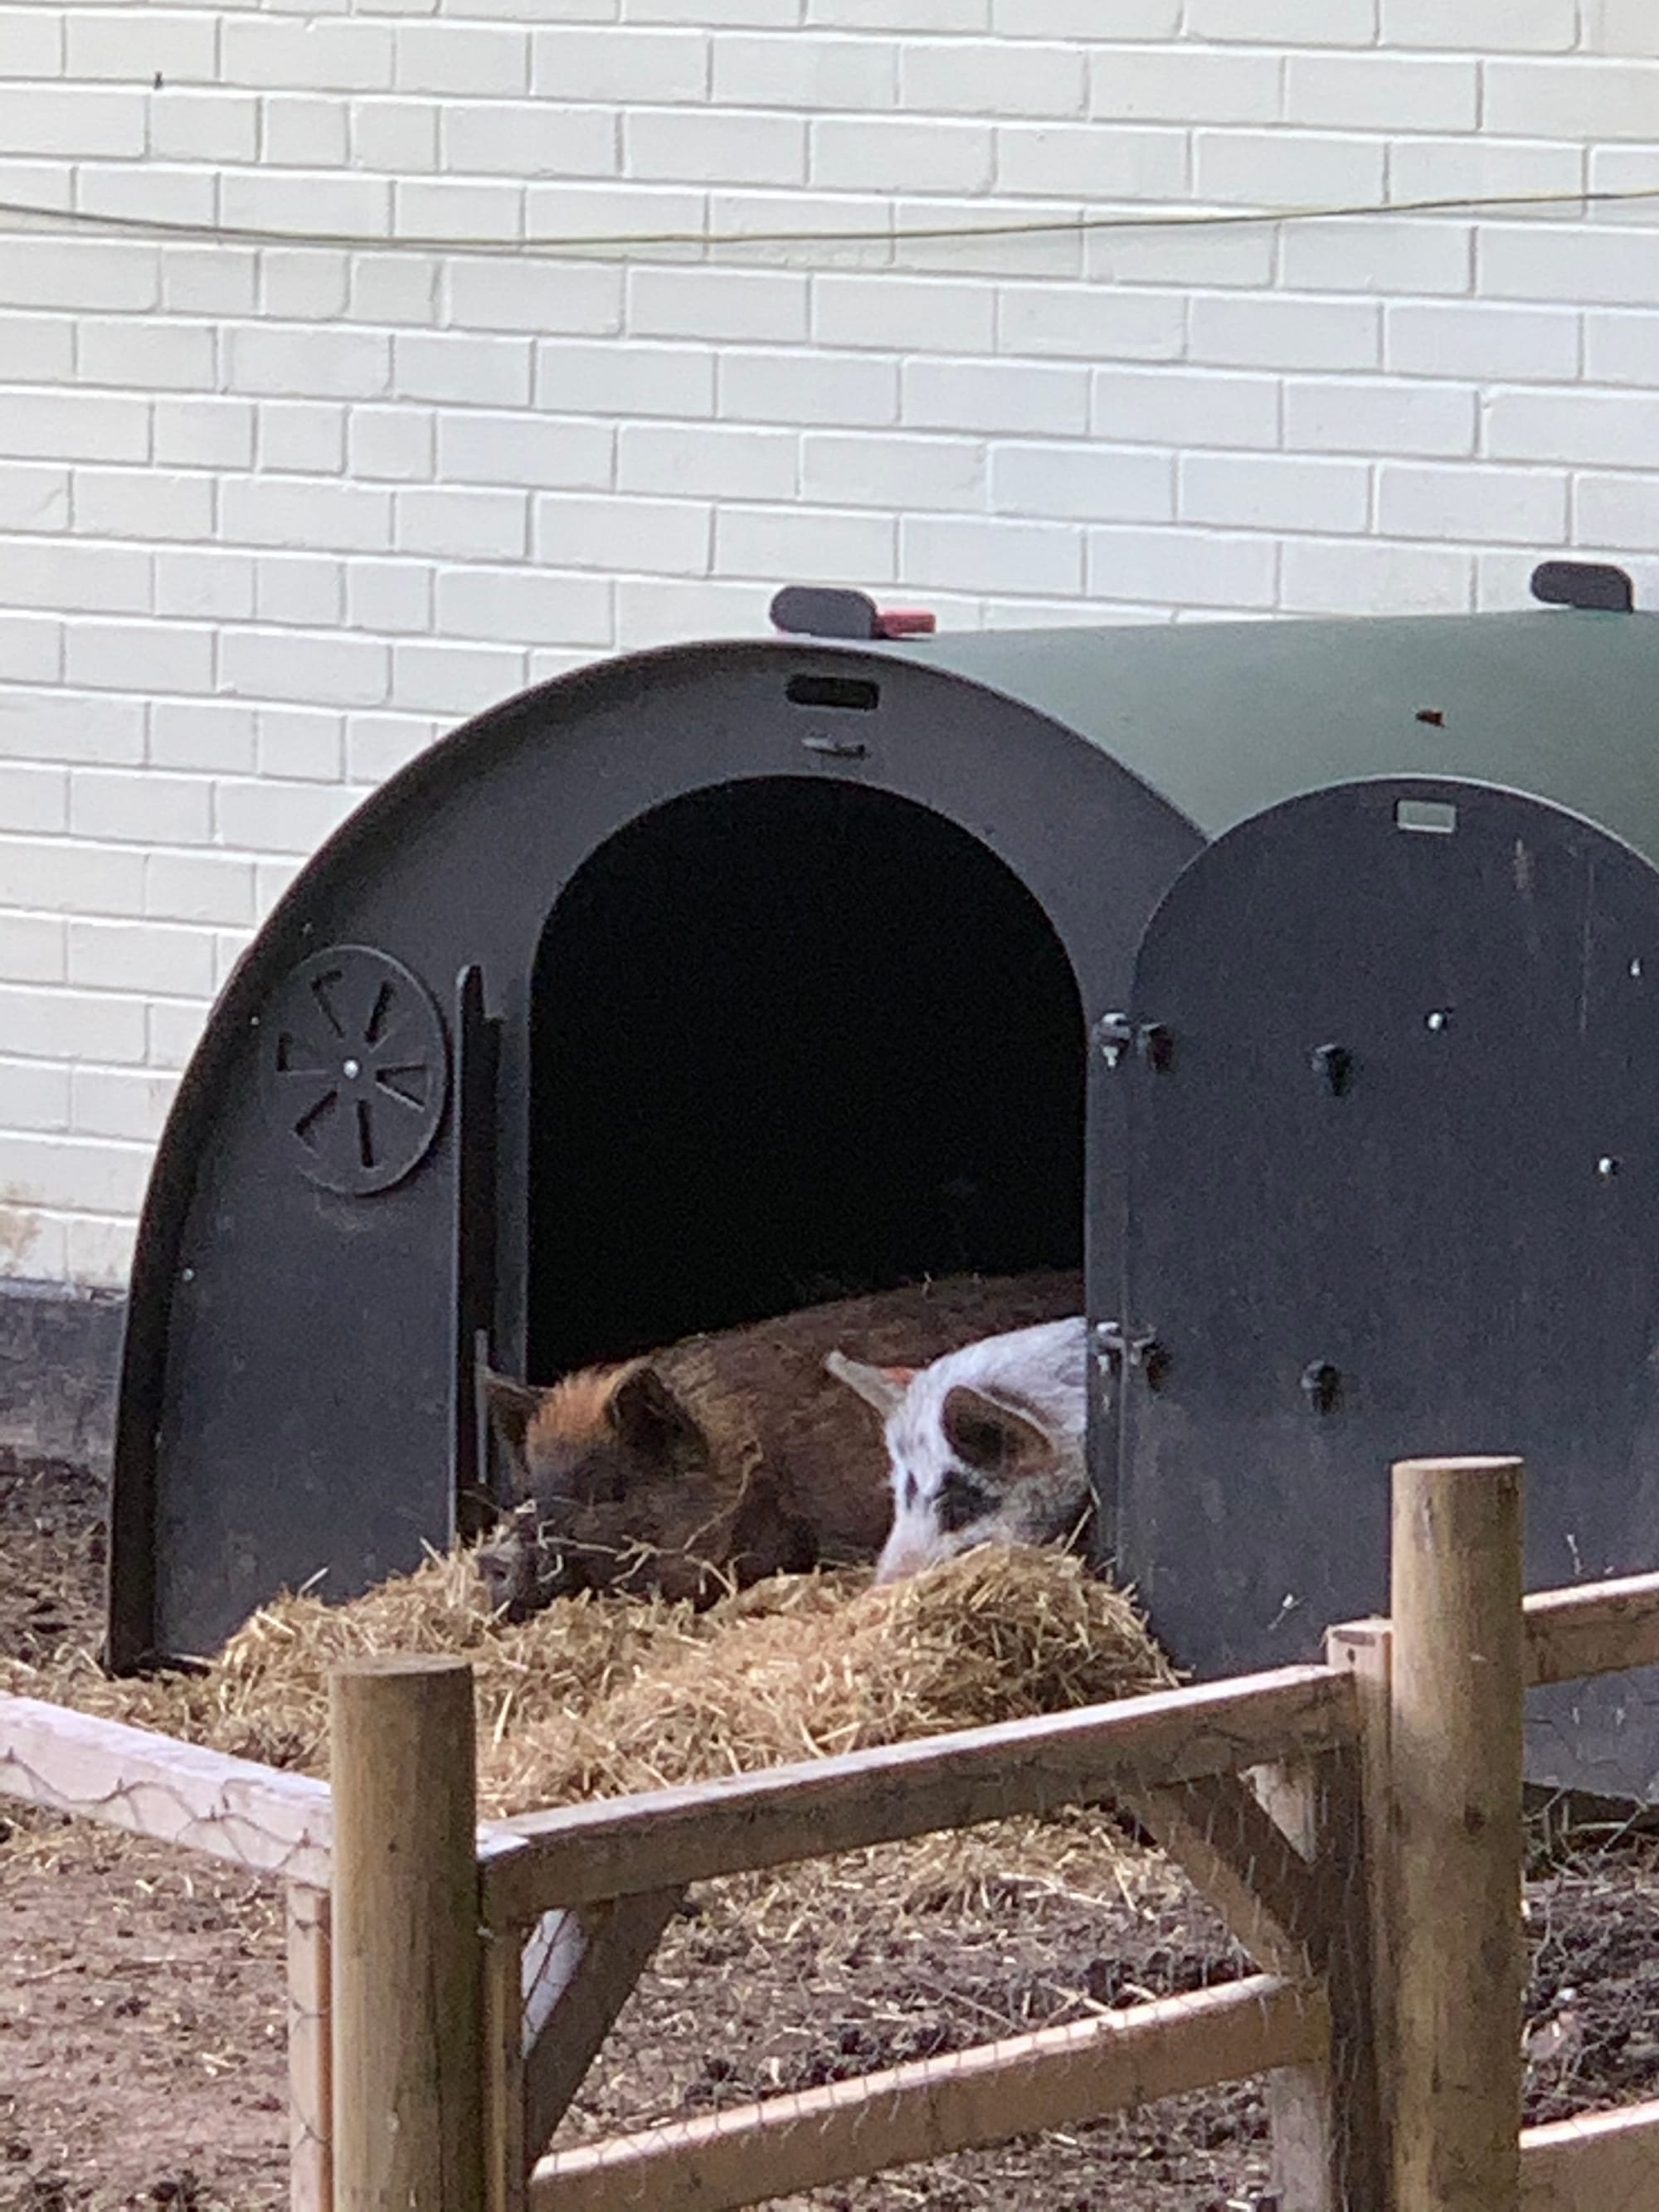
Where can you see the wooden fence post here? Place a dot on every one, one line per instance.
(1455, 1721)
(407, 1953)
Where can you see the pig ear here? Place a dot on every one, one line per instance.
(512, 1407)
(992, 1440)
(884, 1387)
(645, 1413)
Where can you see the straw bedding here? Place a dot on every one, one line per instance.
(601, 1695)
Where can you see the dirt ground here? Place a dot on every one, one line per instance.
(141, 2060)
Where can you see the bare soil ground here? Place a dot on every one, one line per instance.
(141, 1989)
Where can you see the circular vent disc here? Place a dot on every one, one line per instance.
(354, 1069)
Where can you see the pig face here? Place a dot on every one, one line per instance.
(618, 1490)
(985, 1446)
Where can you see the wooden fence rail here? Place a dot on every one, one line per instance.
(1367, 1948)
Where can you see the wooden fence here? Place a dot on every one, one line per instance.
(1358, 1823)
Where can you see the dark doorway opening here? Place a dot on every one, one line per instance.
(792, 1040)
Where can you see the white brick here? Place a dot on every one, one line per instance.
(1088, 482)
(750, 12)
(31, 42)
(1181, 568)
(657, 611)
(1482, 26)
(121, 1102)
(965, 238)
(694, 145)
(897, 471)
(971, 76)
(37, 348)
(90, 426)
(194, 733)
(32, 498)
(60, 876)
(33, 947)
(518, 607)
(1090, 323)
(530, 139)
(205, 126)
(1617, 513)
(461, 522)
(304, 132)
(199, 887)
(458, 207)
(393, 443)
(220, 280)
(132, 45)
(913, 315)
(1377, 92)
(143, 503)
(146, 808)
(301, 511)
(1287, 168)
(1485, 168)
(1280, 492)
(1346, 577)
(268, 817)
(1082, 161)
(32, 798)
(388, 288)
(173, 1029)
(1354, 416)
(775, 544)
(630, 380)
(389, 595)
(717, 303)
(1080, 19)
(1176, 408)
(1485, 342)
(130, 955)
(36, 1247)
(205, 432)
(495, 449)
(709, 462)
(949, 395)
(100, 1252)
(400, 136)
(651, 537)
(480, 371)
(298, 743)
(75, 272)
(1619, 26)
(1621, 348)
(1185, 86)
(801, 387)
(461, 58)
(492, 295)
(35, 1096)
(178, 195)
(58, 1171)
(138, 657)
(71, 1025)
(293, 201)
(212, 583)
(1379, 257)
(585, 210)
(378, 746)
(31, 648)
(803, 72)
(300, 589)
(1525, 506)
(1286, 333)
(346, 671)
(1286, 22)
(1617, 430)
(441, 679)
(965, 554)
(295, 55)
(152, 355)
(115, 578)
(323, 364)
(1576, 265)
(626, 65)
(302, 436)
(1571, 98)
(908, 154)
(73, 121)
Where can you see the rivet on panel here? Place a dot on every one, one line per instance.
(1438, 1020)
(1334, 1064)
(1607, 1167)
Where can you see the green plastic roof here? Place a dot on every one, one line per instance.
(1226, 719)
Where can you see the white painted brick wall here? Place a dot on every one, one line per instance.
(273, 516)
